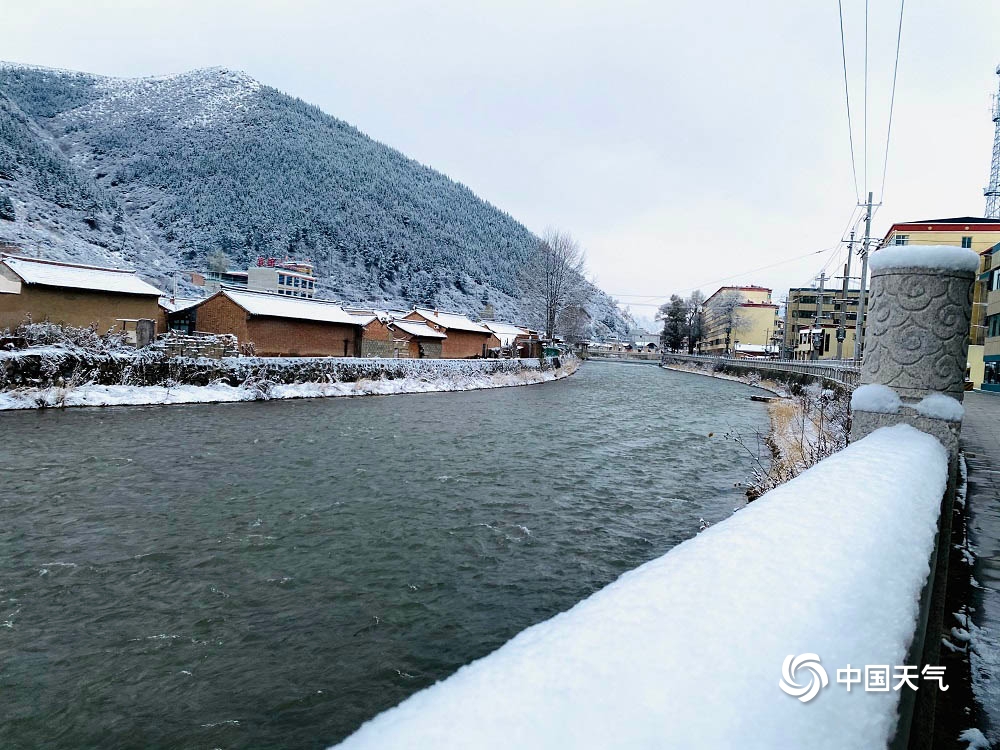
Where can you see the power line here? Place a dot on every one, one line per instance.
(847, 98)
(892, 100)
(866, 95)
(718, 281)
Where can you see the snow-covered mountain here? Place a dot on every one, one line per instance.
(161, 173)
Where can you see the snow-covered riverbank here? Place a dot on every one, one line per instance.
(445, 375)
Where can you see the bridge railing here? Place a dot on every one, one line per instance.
(845, 372)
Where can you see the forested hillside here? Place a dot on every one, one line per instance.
(162, 173)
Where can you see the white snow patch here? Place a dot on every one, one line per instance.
(941, 257)
(975, 738)
(941, 406)
(875, 398)
(800, 570)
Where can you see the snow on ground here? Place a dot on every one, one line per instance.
(875, 398)
(941, 257)
(976, 739)
(686, 651)
(121, 395)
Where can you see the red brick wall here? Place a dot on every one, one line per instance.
(459, 344)
(221, 315)
(463, 344)
(277, 337)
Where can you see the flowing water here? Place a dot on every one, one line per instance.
(273, 574)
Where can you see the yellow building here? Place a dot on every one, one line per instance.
(800, 314)
(741, 320)
(975, 233)
(827, 335)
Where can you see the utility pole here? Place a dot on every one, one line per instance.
(858, 335)
(842, 328)
(817, 338)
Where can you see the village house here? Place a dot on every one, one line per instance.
(279, 326)
(510, 340)
(388, 336)
(177, 313)
(73, 295)
(465, 338)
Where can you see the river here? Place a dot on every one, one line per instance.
(272, 574)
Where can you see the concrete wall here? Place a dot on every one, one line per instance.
(75, 307)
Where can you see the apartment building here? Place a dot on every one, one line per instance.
(741, 321)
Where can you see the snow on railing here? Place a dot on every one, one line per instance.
(843, 371)
(688, 649)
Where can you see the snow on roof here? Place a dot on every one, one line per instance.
(179, 303)
(686, 651)
(506, 329)
(451, 320)
(417, 328)
(752, 348)
(940, 257)
(72, 276)
(278, 306)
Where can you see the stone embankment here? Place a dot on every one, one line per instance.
(60, 375)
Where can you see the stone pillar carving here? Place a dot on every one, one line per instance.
(917, 340)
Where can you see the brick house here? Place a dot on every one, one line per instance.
(509, 340)
(423, 340)
(280, 326)
(466, 339)
(73, 295)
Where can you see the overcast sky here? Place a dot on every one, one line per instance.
(684, 144)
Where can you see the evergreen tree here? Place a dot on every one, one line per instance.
(674, 323)
(7, 208)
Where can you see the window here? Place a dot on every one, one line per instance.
(296, 281)
(902, 239)
(966, 242)
(281, 278)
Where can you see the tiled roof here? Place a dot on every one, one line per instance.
(68, 275)
(277, 306)
(451, 320)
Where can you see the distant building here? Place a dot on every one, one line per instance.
(278, 326)
(288, 278)
(466, 339)
(975, 233)
(644, 340)
(800, 314)
(823, 339)
(73, 295)
(752, 323)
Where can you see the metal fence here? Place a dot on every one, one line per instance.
(845, 372)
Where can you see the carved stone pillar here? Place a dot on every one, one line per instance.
(917, 340)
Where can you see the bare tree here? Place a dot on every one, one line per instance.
(695, 319)
(574, 323)
(218, 262)
(726, 311)
(553, 278)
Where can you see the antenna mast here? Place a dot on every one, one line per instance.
(992, 191)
